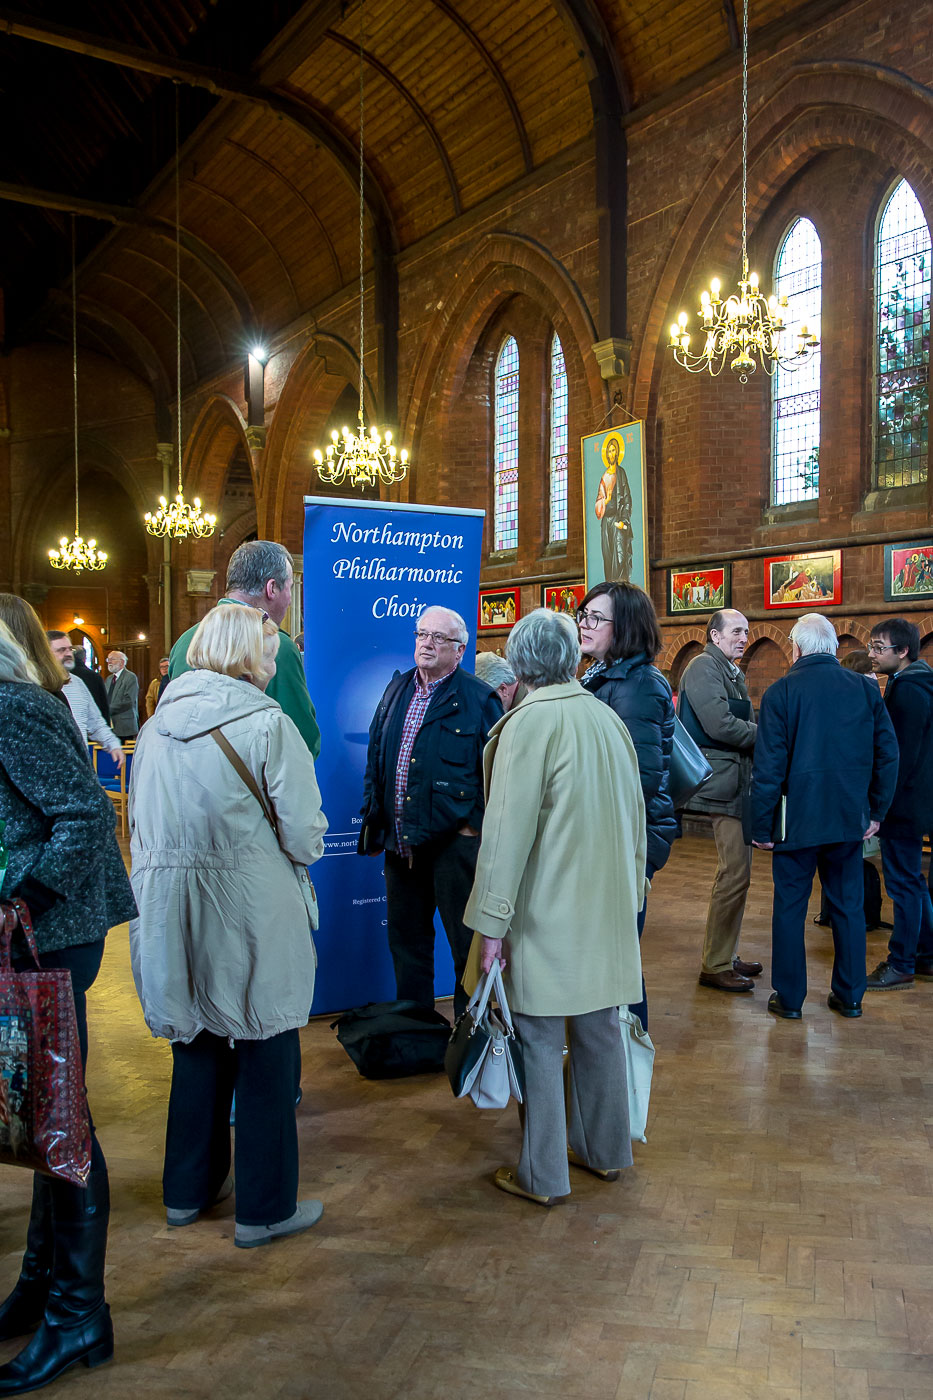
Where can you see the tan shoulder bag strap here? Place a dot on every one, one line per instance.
(227, 748)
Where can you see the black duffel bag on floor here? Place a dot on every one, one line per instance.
(391, 1039)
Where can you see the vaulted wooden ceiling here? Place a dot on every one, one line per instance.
(463, 98)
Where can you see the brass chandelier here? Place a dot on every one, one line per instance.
(363, 457)
(744, 330)
(76, 554)
(178, 519)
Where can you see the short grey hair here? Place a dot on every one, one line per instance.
(119, 653)
(254, 563)
(459, 626)
(14, 663)
(494, 670)
(814, 634)
(544, 648)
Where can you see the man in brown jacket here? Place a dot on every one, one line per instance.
(714, 707)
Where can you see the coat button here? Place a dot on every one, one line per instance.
(407, 799)
(414, 760)
(503, 908)
(456, 731)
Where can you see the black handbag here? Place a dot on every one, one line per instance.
(689, 769)
(484, 1060)
(392, 1039)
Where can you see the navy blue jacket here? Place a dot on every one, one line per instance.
(641, 697)
(825, 740)
(445, 775)
(908, 699)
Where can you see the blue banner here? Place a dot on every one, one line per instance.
(370, 570)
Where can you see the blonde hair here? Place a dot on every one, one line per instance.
(232, 639)
(23, 621)
(14, 663)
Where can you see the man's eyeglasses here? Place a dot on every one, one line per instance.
(880, 646)
(437, 638)
(585, 618)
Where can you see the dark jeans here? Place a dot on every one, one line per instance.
(640, 1008)
(840, 867)
(440, 877)
(912, 936)
(197, 1138)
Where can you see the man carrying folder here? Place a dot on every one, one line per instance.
(825, 769)
(715, 710)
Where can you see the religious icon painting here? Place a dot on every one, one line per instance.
(806, 581)
(908, 571)
(498, 608)
(699, 590)
(563, 597)
(614, 509)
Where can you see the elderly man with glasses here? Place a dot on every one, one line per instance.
(424, 801)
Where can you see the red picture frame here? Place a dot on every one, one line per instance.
(805, 582)
(563, 597)
(499, 609)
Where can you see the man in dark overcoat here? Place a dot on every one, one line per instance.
(824, 775)
(908, 699)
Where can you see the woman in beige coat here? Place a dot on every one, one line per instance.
(222, 951)
(559, 883)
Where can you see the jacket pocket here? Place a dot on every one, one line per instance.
(455, 746)
(453, 799)
(724, 784)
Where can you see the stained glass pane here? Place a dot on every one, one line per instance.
(902, 292)
(795, 394)
(558, 530)
(505, 479)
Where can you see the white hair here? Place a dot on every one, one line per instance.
(459, 626)
(15, 665)
(494, 670)
(814, 634)
(120, 654)
(544, 648)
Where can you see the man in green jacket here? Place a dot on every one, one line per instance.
(260, 575)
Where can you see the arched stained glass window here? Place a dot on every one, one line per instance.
(558, 512)
(795, 394)
(505, 477)
(902, 373)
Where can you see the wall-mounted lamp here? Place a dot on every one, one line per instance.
(260, 353)
(78, 621)
(142, 636)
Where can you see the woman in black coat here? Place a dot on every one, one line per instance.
(63, 860)
(619, 632)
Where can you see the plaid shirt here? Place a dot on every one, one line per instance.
(414, 719)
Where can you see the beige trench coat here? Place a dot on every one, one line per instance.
(561, 868)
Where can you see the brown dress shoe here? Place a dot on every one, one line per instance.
(727, 981)
(747, 969)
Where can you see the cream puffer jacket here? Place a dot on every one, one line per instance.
(222, 942)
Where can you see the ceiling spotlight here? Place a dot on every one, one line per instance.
(260, 353)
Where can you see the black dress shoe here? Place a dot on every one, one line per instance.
(777, 1008)
(844, 1008)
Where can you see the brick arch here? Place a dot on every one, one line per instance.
(860, 632)
(502, 265)
(765, 661)
(769, 632)
(681, 661)
(815, 108)
(218, 431)
(679, 642)
(318, 376)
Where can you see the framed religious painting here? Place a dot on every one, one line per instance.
(563, 597)
(908, 571)
(699, 590)
(498, 608)
(614, 510)
(803, 580)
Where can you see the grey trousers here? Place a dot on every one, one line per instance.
(594, 1120)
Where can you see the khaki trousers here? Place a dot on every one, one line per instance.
(727, 899)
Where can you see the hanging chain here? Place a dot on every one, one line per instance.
(745, 138)
(362, 215)
(177, 294)
(74, 357)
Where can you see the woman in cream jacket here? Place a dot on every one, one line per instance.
(222, 951)
(559, 883)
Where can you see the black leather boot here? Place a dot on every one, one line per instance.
(76, 1326)
(22, 1311)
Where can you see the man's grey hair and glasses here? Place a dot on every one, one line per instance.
(544, 648)
(494, 670)
(814, 635)
(254, 563)
(457, 626)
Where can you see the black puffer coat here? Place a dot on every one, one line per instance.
(642, 699)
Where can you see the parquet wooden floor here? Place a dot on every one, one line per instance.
(774, 1239)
